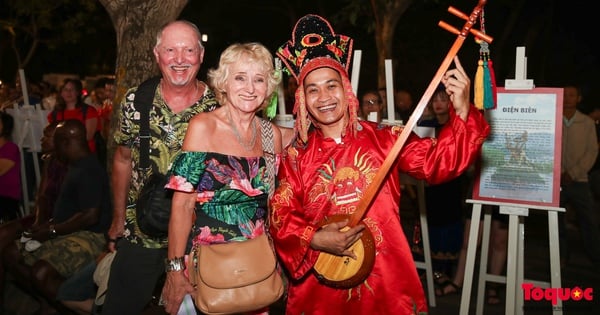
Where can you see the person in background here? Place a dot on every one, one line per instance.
(403, 103)
(80, 292)
(107, 106)
(383, 96)
(75, 236)
(336, 157)
(594, 173)
(579, 152)
(444, 202)
(96, 96)
(290, 94)
(496, 260)
(10, 170)
(370, 102)
(244, 81)
(449, 233)
(70, 105)
(33, 93)
(53, 173)
(140, 259)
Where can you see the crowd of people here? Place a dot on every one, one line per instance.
(235, 176)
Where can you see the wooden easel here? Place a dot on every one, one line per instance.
(515, 262)
(516, 238)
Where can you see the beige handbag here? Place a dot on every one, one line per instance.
(235, 277)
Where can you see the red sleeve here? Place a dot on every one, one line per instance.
(450, 154)
(291, 232)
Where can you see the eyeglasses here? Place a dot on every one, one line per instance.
(371, 102)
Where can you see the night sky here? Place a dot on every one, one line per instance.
(559, 37)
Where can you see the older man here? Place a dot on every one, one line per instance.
(179, 96)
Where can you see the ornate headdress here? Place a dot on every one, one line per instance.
(315, 45)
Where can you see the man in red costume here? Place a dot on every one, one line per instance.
(327, 170)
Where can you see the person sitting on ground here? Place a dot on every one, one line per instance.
(84, 291)
(75, 236)
(53, 173)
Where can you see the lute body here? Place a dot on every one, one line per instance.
(342, 271)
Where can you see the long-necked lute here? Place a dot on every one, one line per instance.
(345, 272)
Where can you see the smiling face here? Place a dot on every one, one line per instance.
(179, 54)
(246, 85)
(326, 101)
(70, 94)
(369, 103)
(440, 102)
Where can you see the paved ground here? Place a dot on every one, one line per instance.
(578, 273)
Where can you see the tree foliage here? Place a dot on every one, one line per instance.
(381, 18)
(27, 24)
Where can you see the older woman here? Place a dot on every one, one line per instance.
(221, 178)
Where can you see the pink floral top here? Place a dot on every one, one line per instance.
(232, 194)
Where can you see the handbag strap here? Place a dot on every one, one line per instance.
(143, 101)
(266, 130)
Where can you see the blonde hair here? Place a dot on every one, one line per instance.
(256, 53)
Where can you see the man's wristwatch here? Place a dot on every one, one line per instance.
(175, 264)
(52, 231)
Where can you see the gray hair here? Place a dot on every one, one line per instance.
(185, 22)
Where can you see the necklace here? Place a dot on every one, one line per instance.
(247, 145)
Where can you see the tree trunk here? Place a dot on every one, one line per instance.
(136, 23)
(387, 14)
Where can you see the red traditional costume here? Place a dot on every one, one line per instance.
(320, 177)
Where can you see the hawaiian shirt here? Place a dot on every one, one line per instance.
(167, 131)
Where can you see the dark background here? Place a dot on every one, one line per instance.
(559, 36)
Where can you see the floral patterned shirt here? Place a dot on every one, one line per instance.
(232, 194)
(167, 130)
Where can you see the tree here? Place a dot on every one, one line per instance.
(136, 23)
(28, 24)
(386, 14)
(381, 17)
